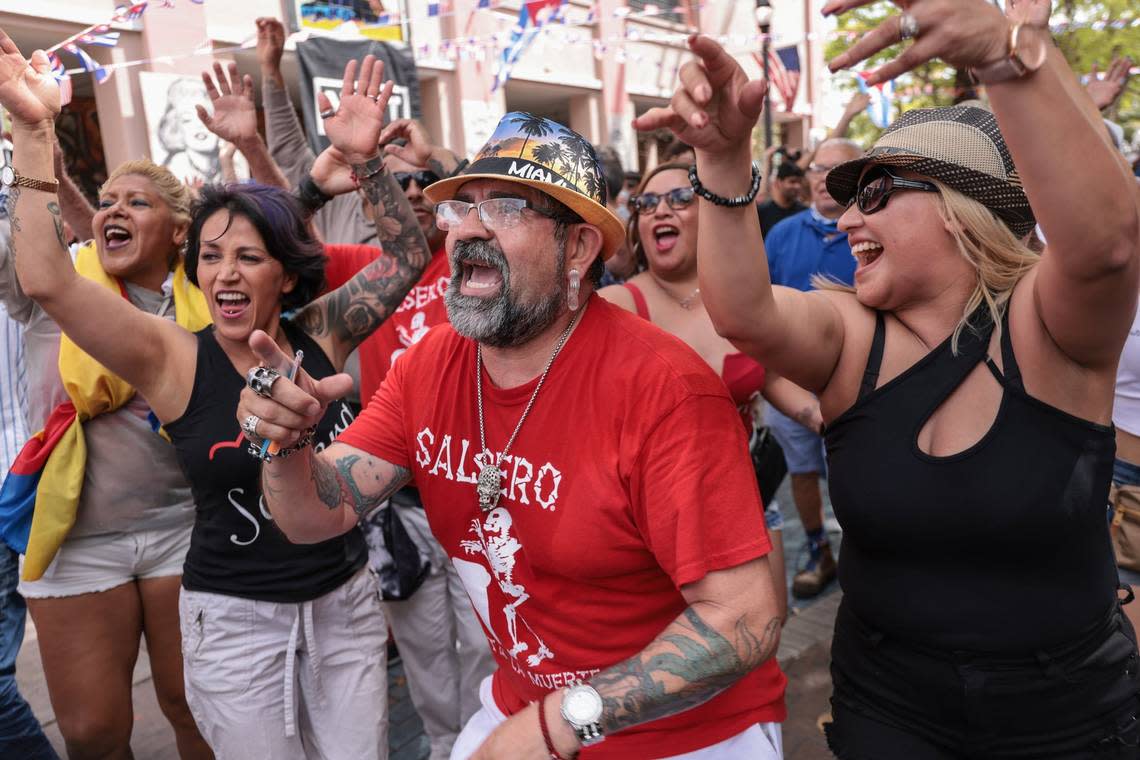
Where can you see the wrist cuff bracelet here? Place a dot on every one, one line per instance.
(311, 196)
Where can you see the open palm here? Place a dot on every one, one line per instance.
(235, 115)
(27, 89)
(355, 127)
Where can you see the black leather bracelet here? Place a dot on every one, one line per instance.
(740, 200)
(311, 196)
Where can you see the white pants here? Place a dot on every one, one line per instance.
(442, 644)
(760, 741)
(284, 681)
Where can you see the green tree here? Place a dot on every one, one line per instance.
(936, 84)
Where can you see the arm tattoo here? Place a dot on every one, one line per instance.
(350, 313)
(336, 484)
(13, 219)
(688, 664)
(57, 220)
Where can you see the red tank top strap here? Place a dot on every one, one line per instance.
(638, 300)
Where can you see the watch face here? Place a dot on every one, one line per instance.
(7, 176)
(582, 705)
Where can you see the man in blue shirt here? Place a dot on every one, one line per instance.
(800, 247)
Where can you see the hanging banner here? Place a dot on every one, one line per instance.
(322, 62)
(369, 20)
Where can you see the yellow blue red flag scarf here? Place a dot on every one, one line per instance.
(40, 495)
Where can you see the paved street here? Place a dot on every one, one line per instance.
(804, 648)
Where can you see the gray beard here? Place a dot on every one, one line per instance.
(501, 321)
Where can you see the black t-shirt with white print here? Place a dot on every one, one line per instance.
(236, 549)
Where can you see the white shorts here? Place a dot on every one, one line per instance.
(92, 564)
(760, 741)
(277, 680)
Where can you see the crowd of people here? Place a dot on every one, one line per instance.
(274, 425)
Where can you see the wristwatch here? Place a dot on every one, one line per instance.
(9, 177)
(582, 709)
(1027, 51)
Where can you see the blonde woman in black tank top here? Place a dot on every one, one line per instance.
(967, 386)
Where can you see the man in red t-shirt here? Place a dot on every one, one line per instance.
(585, 472)
(441, 642)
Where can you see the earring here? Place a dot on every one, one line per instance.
(572, 291)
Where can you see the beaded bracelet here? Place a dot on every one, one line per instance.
(305, 440)
(740, 200)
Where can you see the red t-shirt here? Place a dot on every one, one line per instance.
(628, 480)
(422, 309)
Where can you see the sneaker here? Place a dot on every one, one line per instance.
(819, 571)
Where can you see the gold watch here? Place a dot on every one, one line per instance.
(9, 177)
(1027, 51)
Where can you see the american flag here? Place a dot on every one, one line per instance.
(784, 72)
(60, 73)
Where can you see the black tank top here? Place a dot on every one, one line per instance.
(236, 548)
(1003, 547)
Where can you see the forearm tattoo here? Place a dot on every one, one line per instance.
(364, 490)
(351, 312)
(57, 221)
(688, 664)
(13, 218)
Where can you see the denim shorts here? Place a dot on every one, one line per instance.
(803, 449)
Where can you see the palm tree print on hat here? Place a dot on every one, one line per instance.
(548, 153)
(581, 155)
(531, 126)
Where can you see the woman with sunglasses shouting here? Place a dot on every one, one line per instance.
(967, 385)
(662, 230)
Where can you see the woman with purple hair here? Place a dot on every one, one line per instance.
(283, 645)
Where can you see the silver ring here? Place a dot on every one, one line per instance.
(908, 27)
(261, 380)
(374, 98)
(328, 114)
(249, 426)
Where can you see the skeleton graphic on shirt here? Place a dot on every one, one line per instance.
(409, 337)
(494, 540)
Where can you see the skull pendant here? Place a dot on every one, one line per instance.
(488, 487)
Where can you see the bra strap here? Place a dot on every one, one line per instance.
(875, 358)
(639, 301)
(1009, 363)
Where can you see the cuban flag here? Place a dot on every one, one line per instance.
(88, 63)
(101, 36)
(532, 17)
(881, 109)
(130, 12)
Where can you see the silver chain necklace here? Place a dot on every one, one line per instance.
(685, 303)
(490, 476)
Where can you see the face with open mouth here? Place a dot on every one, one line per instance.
(136, 232)
(242, 282)
(668, 233)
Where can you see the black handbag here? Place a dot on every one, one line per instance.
(768, 462)
(407, 569)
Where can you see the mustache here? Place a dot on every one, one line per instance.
(479, 252)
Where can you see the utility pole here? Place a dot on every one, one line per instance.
(764, 22)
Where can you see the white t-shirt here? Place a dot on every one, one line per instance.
(1126, 409)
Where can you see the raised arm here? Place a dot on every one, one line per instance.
(74, 206)
(283, 132)
(149, 359)
(235, 121)
(714, 109)
(1084, 289)
(340, 320)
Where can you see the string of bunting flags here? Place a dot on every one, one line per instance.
(537, 19)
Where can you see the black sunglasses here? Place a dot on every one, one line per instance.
(877, 186)
(678, 197)
(423, 178)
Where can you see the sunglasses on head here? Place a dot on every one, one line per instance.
(423, 178)
(678, 197)
(878, 184)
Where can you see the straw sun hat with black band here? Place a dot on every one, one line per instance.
(961, 147)
(545, 155)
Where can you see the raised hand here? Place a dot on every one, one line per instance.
(963, 33)
(295, 405)
(270, 44)
(715, 106)
(855, 106)
(1104, 91)
(418, 148)
(235, 115)
(354, 127)
(27, 89)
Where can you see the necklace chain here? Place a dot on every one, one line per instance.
(541, 379)
(685, 303)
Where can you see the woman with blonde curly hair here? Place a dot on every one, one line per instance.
(966, 383)
(116, 575)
